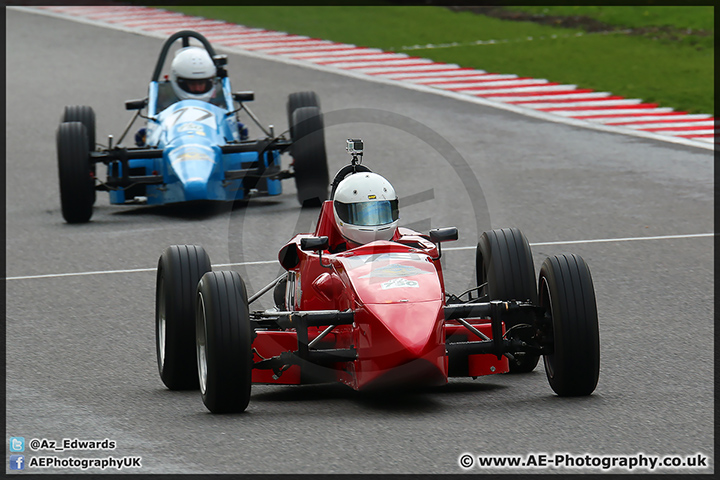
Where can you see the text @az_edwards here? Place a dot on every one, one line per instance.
(69, 444)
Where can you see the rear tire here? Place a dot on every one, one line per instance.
(298, 100)
(566, 290)
(77, 180)
(179, 270)
(504, 261)
(84, 115)
(310, 160)
(224, 342)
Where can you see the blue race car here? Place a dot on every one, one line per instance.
(193, 147)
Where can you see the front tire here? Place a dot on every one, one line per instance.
(567, 292)
(310, 159)
(179, 270)
(504, 261)
(75, 170)
(224, 342)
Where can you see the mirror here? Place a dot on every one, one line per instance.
(314, 243)
(136, 104)
(243, 96)
(446, 234)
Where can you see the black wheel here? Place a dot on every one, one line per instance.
(298, 100)
(308, 152)
(179, 271)
(84, 115)
(224, 342)
(75, 169)
(504, 261)
(279, 294)
(566, 290)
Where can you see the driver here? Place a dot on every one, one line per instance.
(192, 77)
(365, 207)
(192, 74)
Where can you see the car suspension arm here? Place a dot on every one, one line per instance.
(489, 346)
(285, 360)
(255, 119)
(313, 318)
(493, 310)
(482, 335)
(267, 287)
(127, 128)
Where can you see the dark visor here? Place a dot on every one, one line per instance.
(202, 85)
(368, 214)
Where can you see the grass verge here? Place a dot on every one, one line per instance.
(675, 70)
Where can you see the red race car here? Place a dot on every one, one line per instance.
(363, 302)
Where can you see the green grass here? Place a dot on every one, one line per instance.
(696, 18)
(691, 26)
(674, 72)
(387, 27)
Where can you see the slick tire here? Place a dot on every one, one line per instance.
(310, 160)
(566, 291)
(179, 270)
(84, 115)
(504, 261)
(224, 342)
(298, 100)
(76, 173)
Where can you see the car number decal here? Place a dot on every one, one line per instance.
(192, 128)
(394, 270)
(192, 114)
(399, 283)
(192, 151)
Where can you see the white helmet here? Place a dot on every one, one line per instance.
(192, 74)
(365, 208)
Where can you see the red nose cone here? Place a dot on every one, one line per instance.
(404, 346)
(414, 326)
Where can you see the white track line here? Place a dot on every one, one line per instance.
(603, 240)
(131, 270)
(356, 59)
(269, 262)
(320, 57)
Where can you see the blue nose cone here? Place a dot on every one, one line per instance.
(196, 190)
(194, 175)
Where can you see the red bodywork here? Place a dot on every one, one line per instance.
(397, 292)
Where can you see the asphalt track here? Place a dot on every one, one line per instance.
(80, 348)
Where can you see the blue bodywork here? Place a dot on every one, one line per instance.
(191, 135)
